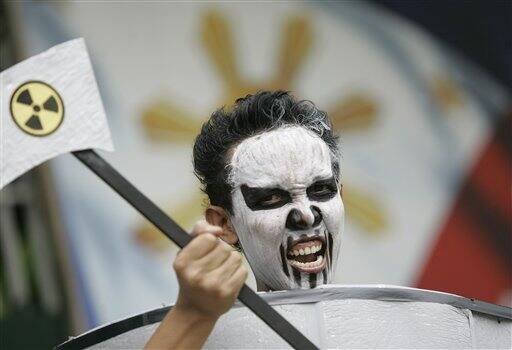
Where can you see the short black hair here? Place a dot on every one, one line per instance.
(251, 115)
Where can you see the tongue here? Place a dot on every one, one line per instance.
(305, 258)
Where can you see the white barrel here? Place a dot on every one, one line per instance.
(338, 316)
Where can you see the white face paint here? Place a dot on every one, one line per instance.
(287, 210)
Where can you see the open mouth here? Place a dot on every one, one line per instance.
(307, 255)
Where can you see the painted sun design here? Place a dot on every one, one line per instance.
(165, 121)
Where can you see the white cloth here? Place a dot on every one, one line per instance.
(66, 68)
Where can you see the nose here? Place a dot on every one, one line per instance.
(297, 220)
(317, 216)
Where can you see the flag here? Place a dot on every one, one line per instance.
(50, 105)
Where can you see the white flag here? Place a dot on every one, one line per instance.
(50, 105)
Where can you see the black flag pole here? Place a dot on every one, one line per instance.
(175, 233)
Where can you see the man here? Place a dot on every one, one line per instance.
(271, 168)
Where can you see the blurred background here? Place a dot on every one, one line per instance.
(418, 91)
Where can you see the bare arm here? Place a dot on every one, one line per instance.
(210, 275)
(181, 329)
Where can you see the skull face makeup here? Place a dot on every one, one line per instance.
(287, 211)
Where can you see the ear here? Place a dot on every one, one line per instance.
(341, 190)
(217, 216)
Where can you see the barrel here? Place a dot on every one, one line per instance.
(337, 316)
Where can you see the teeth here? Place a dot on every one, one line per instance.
(307, 250)
(312, 264)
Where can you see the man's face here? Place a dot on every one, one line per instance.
(288, 213)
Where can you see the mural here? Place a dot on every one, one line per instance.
(417, 125)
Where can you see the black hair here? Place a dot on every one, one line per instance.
(251, 115)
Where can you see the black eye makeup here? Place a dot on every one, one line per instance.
(322, 190)
(260, 198)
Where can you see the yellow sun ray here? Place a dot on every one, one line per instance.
(165, 121)
(365, 210)
(185, 215)
(354, 113)
(218, 43)
(446, 92)
(296, 43)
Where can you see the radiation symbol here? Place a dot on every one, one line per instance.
(37, 108)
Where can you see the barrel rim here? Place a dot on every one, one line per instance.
(380, 292)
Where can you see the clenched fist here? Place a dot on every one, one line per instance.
(210, 273)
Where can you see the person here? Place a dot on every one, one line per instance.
(270, 167)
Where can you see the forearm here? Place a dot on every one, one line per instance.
(182, 329)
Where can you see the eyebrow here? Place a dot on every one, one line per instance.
(324, 181)
(253, 196)
(329, 182)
